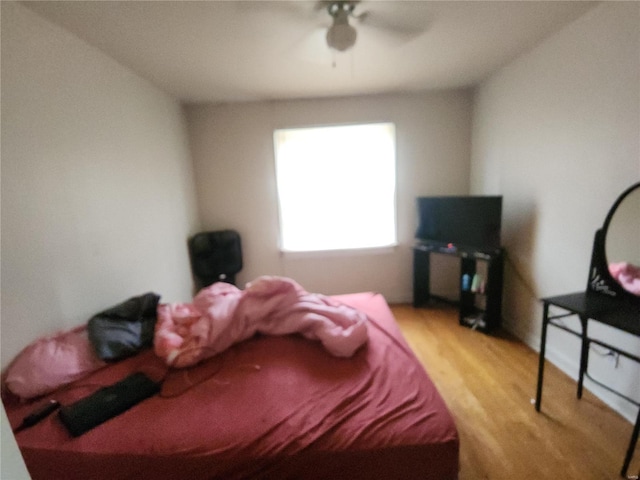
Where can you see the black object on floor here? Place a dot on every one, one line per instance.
(215, 257)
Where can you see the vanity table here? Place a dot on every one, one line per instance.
(607, 300)
(600, 309)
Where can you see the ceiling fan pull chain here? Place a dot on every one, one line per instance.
(353, 64)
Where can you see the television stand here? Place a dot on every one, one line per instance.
(480, 283)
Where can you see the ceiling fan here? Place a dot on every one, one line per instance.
(338, 24)
(341, 35)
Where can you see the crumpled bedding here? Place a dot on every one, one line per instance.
(222, 315)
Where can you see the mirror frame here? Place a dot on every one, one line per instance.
(600, 280)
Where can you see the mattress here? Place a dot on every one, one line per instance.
(269, 407)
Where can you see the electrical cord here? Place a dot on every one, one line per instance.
(51, 405)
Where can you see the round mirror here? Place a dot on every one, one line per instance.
(622, 241)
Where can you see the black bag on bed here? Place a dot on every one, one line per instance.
(124, 329)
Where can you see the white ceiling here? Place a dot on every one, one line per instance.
(225, 51)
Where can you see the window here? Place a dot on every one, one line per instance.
(336, 187)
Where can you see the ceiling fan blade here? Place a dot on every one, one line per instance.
(312, 48)
(321, 5)
(278, 9)
(403, 30)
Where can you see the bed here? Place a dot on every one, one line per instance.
(267, 407)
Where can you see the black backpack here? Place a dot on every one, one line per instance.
(215, 257)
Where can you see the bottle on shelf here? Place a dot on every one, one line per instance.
(480, 283)
(466, 282)
(475, 283)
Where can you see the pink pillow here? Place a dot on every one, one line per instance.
(51, 362)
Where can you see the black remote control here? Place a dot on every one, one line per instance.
(39, 414)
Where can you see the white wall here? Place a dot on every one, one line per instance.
(232, 147)
(97, 185)
(557, 132)
(97, 189)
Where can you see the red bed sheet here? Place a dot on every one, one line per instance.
(269, 407)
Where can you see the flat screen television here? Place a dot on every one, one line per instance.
(463, 222)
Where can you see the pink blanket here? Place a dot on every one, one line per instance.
(222, 315)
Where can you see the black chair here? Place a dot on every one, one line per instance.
(215, 257)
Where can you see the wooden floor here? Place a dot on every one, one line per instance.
(489, 383)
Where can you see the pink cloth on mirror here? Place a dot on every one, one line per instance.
(627, 275)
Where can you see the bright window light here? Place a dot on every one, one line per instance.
(336, 187)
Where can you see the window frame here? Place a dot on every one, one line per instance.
(345, 250)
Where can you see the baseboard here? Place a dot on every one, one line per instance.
(570, 366)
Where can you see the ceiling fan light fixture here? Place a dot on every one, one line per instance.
(341, 37)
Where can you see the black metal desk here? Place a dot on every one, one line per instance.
(589, 306)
